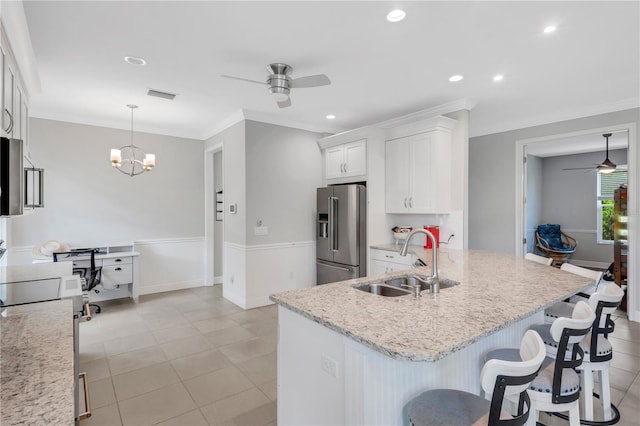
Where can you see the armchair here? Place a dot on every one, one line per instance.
(555, 244)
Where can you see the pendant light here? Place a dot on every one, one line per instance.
(130, 159)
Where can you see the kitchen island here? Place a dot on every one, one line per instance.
(36, 364)
(350, 357)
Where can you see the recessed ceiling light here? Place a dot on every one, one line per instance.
(396, 15)
(330, 117)
(134, 60)
(549, 29)
(455, 78)
(498, 77)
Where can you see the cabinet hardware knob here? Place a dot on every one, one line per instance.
(118, 269)
(118, 260)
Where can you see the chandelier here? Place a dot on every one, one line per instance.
(130, 159)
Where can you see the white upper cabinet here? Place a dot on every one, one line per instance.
(347, 160)
(418, 173)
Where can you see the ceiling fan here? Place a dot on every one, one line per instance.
(606, 166)
(280, 82)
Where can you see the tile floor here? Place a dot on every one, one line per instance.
(190, 357)
(183, 358)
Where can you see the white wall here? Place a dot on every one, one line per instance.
(569, 198)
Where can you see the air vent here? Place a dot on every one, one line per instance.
(159, 94)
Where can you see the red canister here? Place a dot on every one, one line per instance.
(435, 230)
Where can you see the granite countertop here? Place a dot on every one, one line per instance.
(495, 291)
(36, 364)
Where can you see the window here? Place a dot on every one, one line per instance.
(607, 183)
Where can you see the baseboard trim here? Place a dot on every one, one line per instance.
(218, 280)
(161, 288)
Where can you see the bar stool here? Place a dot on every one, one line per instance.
(557, 386)
(564, 309)
(539, 259)
(501, 379)
(598, 354)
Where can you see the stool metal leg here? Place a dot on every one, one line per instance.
(587, 393)
(605, 394)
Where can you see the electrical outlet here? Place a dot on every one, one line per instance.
(329, 366)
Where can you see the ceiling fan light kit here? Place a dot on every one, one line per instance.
(607, 166)
(280, 82)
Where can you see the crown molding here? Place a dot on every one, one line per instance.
(501, 126)
(223, 125)
(281, 121)
(442, 109)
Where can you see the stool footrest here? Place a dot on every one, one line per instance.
(613, 421)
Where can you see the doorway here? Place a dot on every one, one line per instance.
(214, 214)
(563, 145)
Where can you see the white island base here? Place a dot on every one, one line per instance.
(327, 378)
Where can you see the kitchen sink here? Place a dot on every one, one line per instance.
(383, 290)
(413, 279)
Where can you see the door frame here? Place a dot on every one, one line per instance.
(633, 162)
(210, 211)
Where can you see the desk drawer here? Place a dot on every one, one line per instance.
(117, 261)
(117, 274)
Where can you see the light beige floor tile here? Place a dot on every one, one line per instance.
(101, 393)
(626, 362)
(249, 316)
(192, 418)
(619, 379)
(200, 363)
(213, 324)
(262, 415)
(115, 331)
(270, 389)
(165, 335)
(96, 370)
(217, 385)
(104, 416)
(129, 343)
(248, 349)
(144, 380)
(260, 369)
(220, 412)
(166, 322)
(270, 310)
(228, 336)
(134, 360)
(263, 328)
(184, 347)
(156, 406)
(625, 346)
(203, 314)
(92, 352)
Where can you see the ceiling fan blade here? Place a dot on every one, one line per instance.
(285, 104)
(244, 79)
(310, 81)
(580, 168)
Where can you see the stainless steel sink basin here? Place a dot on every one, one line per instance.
(383, 290)
(412, 280)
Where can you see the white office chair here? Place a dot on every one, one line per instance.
(539, 259)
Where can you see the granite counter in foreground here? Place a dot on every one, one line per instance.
(36, 364)
(496, 290)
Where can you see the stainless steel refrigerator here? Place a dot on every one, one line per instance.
(341, 233)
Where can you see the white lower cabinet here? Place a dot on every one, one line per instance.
(385, 262)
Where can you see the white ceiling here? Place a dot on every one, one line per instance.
(379, 70)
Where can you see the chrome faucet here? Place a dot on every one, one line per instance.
(434, 281)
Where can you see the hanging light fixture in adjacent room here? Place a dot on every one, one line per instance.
(607, 165)
(130, 159)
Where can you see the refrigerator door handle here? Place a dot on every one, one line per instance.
(337, 268)
(333, 202)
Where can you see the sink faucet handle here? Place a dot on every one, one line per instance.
(414, 287)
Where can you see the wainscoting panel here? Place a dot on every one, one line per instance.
(170, 264)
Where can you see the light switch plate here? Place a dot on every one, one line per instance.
(261, 230)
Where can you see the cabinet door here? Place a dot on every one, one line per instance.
(334, 162)
(355, 158)
(397, 175)
(378, 267)
(423, 171)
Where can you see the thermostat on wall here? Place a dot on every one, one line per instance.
(233, 208)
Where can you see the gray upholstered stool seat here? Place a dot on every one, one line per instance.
(499, 378)
(449, 407)
(559, 310)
